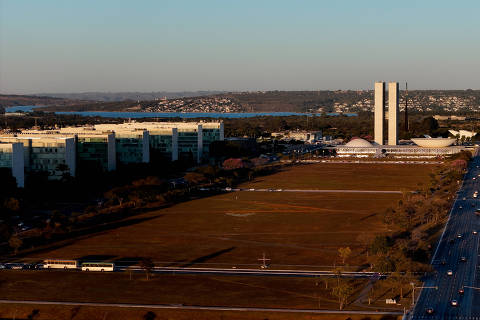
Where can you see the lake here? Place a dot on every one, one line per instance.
(187, 115)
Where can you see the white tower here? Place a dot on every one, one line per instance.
(392, 113)
(379, 111)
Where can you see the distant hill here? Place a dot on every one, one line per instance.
(11, 100)
(340, 101)
(134, 96)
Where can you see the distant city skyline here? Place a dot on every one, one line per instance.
(124, 46)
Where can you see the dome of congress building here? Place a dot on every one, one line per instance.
(433, 142)
(359, 143)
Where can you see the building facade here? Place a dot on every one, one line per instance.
(11, 157)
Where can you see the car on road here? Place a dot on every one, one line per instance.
(475, 232)
(449, 273)
(251, 189)
(15, 266)
(228, 189)
(460, 207)
(2, 266)
(461, 291)
(463, 259)
(459, 236)
(464, 198)
(429, 310)
(454, 303)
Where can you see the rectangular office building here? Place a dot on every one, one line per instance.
(54, 155)
(11, 157)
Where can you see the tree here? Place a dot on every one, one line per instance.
(365, 239)
(12, 205)
(147, 264)
(149, 315)
(34, 315)
(381, 244)
(15, 242)
(342, 291)
(344, 253)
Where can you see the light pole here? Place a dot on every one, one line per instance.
(413, 290)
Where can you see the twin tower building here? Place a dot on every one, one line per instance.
(393, 94)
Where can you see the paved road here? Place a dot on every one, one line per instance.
(450, 249)
(309, 190)
(362, 161)
(223, 271)
(214, 308)
(254, 272)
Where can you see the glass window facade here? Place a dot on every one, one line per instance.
(93, 149)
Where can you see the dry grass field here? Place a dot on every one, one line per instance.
(295, 230)
(20, 312)
(356, 176)
(235, 229)
(204, 290)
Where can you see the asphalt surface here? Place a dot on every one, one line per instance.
(449, 251)
(309, 190)
(252, 272)
(214, 271)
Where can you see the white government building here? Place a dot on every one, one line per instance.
(105, 146)
(417, 148)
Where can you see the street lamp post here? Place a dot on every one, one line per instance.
(413, 290)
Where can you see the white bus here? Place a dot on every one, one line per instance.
(98, 266)
(60, 264)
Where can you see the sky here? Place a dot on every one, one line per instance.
(60, 46)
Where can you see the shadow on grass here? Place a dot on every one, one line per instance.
(69, 238)
(208, 257)
(96, 258)
(366, 217)
(434, 229)
(127, 261)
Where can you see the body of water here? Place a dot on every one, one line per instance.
(133, 115)
(21, 108)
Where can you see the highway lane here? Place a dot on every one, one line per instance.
(451, 248)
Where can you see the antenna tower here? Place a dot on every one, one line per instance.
(406, 107)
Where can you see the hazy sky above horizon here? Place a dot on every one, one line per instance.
(113, 45)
